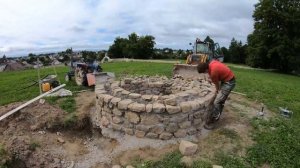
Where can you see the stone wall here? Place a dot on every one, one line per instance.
(152, 107)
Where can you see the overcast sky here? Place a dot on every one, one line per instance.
(54, 25)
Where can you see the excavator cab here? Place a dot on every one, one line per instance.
(202, 52)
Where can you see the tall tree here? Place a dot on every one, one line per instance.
(69, 50)
(211, 42)
(146, 47)
(89, 56)
(117, 50)
(236, 52)
(133, 47)
(275, 42)
(180, 54)
(226, 54)
(31, 58)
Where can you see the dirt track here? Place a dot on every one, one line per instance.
(37, 138)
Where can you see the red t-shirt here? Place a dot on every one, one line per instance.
(219, 72)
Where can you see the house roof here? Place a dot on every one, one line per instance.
(2, 67)
(13, 66)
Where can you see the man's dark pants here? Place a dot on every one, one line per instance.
(222, 95)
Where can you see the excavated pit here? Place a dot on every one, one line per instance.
(152, 107)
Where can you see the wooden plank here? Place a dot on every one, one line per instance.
(30, 101)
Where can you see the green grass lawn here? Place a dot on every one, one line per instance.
(139, 68)
(277, 141)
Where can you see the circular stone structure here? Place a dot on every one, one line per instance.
(152, 107)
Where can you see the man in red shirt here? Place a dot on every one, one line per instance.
(224, 80)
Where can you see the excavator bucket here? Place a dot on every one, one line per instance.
(187, 71)
(102, 77)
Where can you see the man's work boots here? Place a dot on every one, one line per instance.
(211, 123)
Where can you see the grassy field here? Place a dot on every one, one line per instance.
(277, 140)
(14, 85)
(139, 68)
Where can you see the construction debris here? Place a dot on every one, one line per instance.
(285, 112)
(261, 113)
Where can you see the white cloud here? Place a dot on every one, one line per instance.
(42, 25)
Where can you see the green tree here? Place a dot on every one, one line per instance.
(118, 49)
(237, 52)
(275, 42)
(146, 47)
(167, 53)
(69, 50)
(234, 51)
(133, 47)
(180, 54)
(66, 57)
(31, 58)
(226, 54)
(210, 41)
(46, 61)
(100, 55)
(89, 56)
(43, 60)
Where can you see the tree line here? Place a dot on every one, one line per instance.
(275, 41)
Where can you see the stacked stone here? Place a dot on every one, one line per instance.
(122, 107)
(149, 86)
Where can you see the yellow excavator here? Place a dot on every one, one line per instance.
(202, 52)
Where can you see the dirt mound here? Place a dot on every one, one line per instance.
(27, 153)
(36, 136)
(18, 134)
(35, 116)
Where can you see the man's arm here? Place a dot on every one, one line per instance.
(214, 79)
(217, 84)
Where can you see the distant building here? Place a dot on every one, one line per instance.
(56, 62)
(2, 67)
(11, 66)
(3, 59)
(27, 65)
